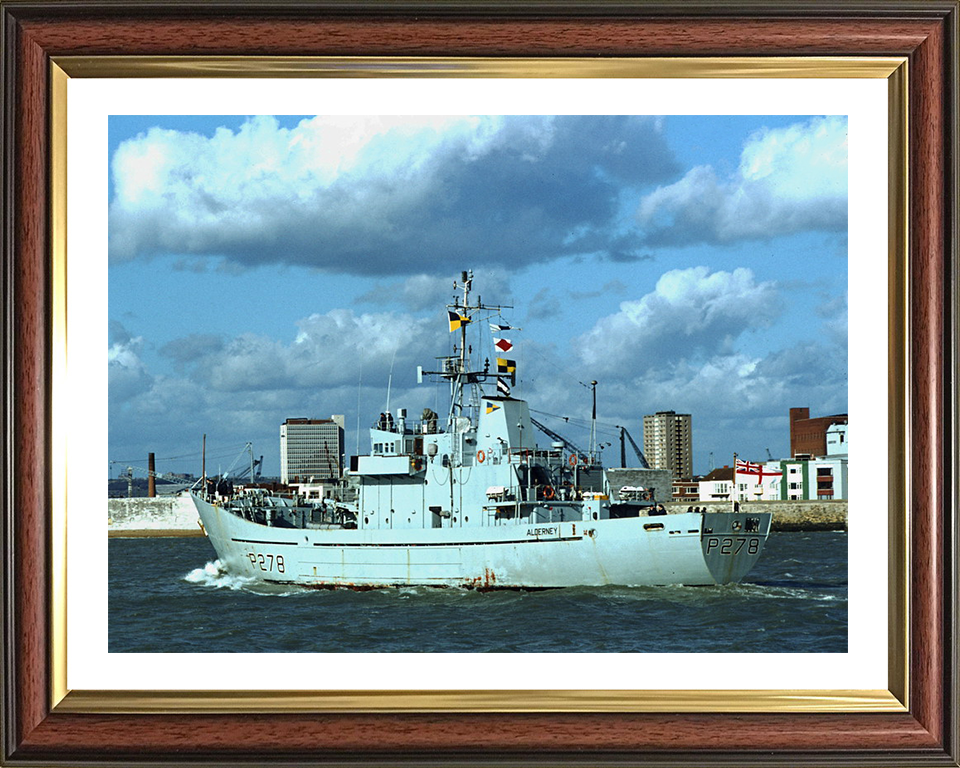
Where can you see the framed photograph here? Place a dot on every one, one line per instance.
(75, 80)
(356, 354)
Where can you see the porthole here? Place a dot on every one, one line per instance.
(594, 515)
(366, 521)
(466, 519)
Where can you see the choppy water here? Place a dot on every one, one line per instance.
(169, 595)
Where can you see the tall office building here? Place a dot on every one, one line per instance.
(668, 442)
(311, 448)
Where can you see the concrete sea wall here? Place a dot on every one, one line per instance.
(787, 515)
(159, 516)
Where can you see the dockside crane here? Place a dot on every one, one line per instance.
(644, 464)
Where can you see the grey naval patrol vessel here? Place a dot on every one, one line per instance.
(470, 500)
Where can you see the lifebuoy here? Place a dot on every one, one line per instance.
(548, 492)
(481, 456)
(573, 459)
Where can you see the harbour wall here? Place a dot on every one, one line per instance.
(787, 515)
(158, 516)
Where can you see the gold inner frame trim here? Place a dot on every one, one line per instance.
(58, 366)
(414, 66)
(898, 415)
(893, 69)
(437, 701)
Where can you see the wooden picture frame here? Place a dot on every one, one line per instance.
(39, 728)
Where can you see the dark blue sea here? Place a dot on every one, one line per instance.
(169, 595)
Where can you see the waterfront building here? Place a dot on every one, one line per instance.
(821, 478)
(718, 485)
(837, 441)
(311, 449)
(806, 478)
(686, 489)
(668, 442)
(808, 437)
(758, 481)
(820, 450)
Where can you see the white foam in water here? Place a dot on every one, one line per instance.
(214, 575)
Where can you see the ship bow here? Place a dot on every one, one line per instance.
(732, 543)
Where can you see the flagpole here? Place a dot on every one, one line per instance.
(733, 496)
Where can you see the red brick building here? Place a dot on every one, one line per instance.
(809, 436)
(686, 489)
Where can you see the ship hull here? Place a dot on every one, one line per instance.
(687, 548)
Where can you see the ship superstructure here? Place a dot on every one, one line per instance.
(469, 499)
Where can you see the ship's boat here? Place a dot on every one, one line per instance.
(470, 500)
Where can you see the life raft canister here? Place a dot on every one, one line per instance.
(481, 456)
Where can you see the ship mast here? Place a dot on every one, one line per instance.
(466, 280)
(455, 368)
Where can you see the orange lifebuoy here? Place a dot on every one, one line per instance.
(573, 459)
(548, 492)
(481, 456)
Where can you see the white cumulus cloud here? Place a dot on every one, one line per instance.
(242, 388)
(789, 180)
(691, 312)
(127, 374)
(378, 194)
(328, 350)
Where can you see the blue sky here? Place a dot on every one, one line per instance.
(271, 267)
